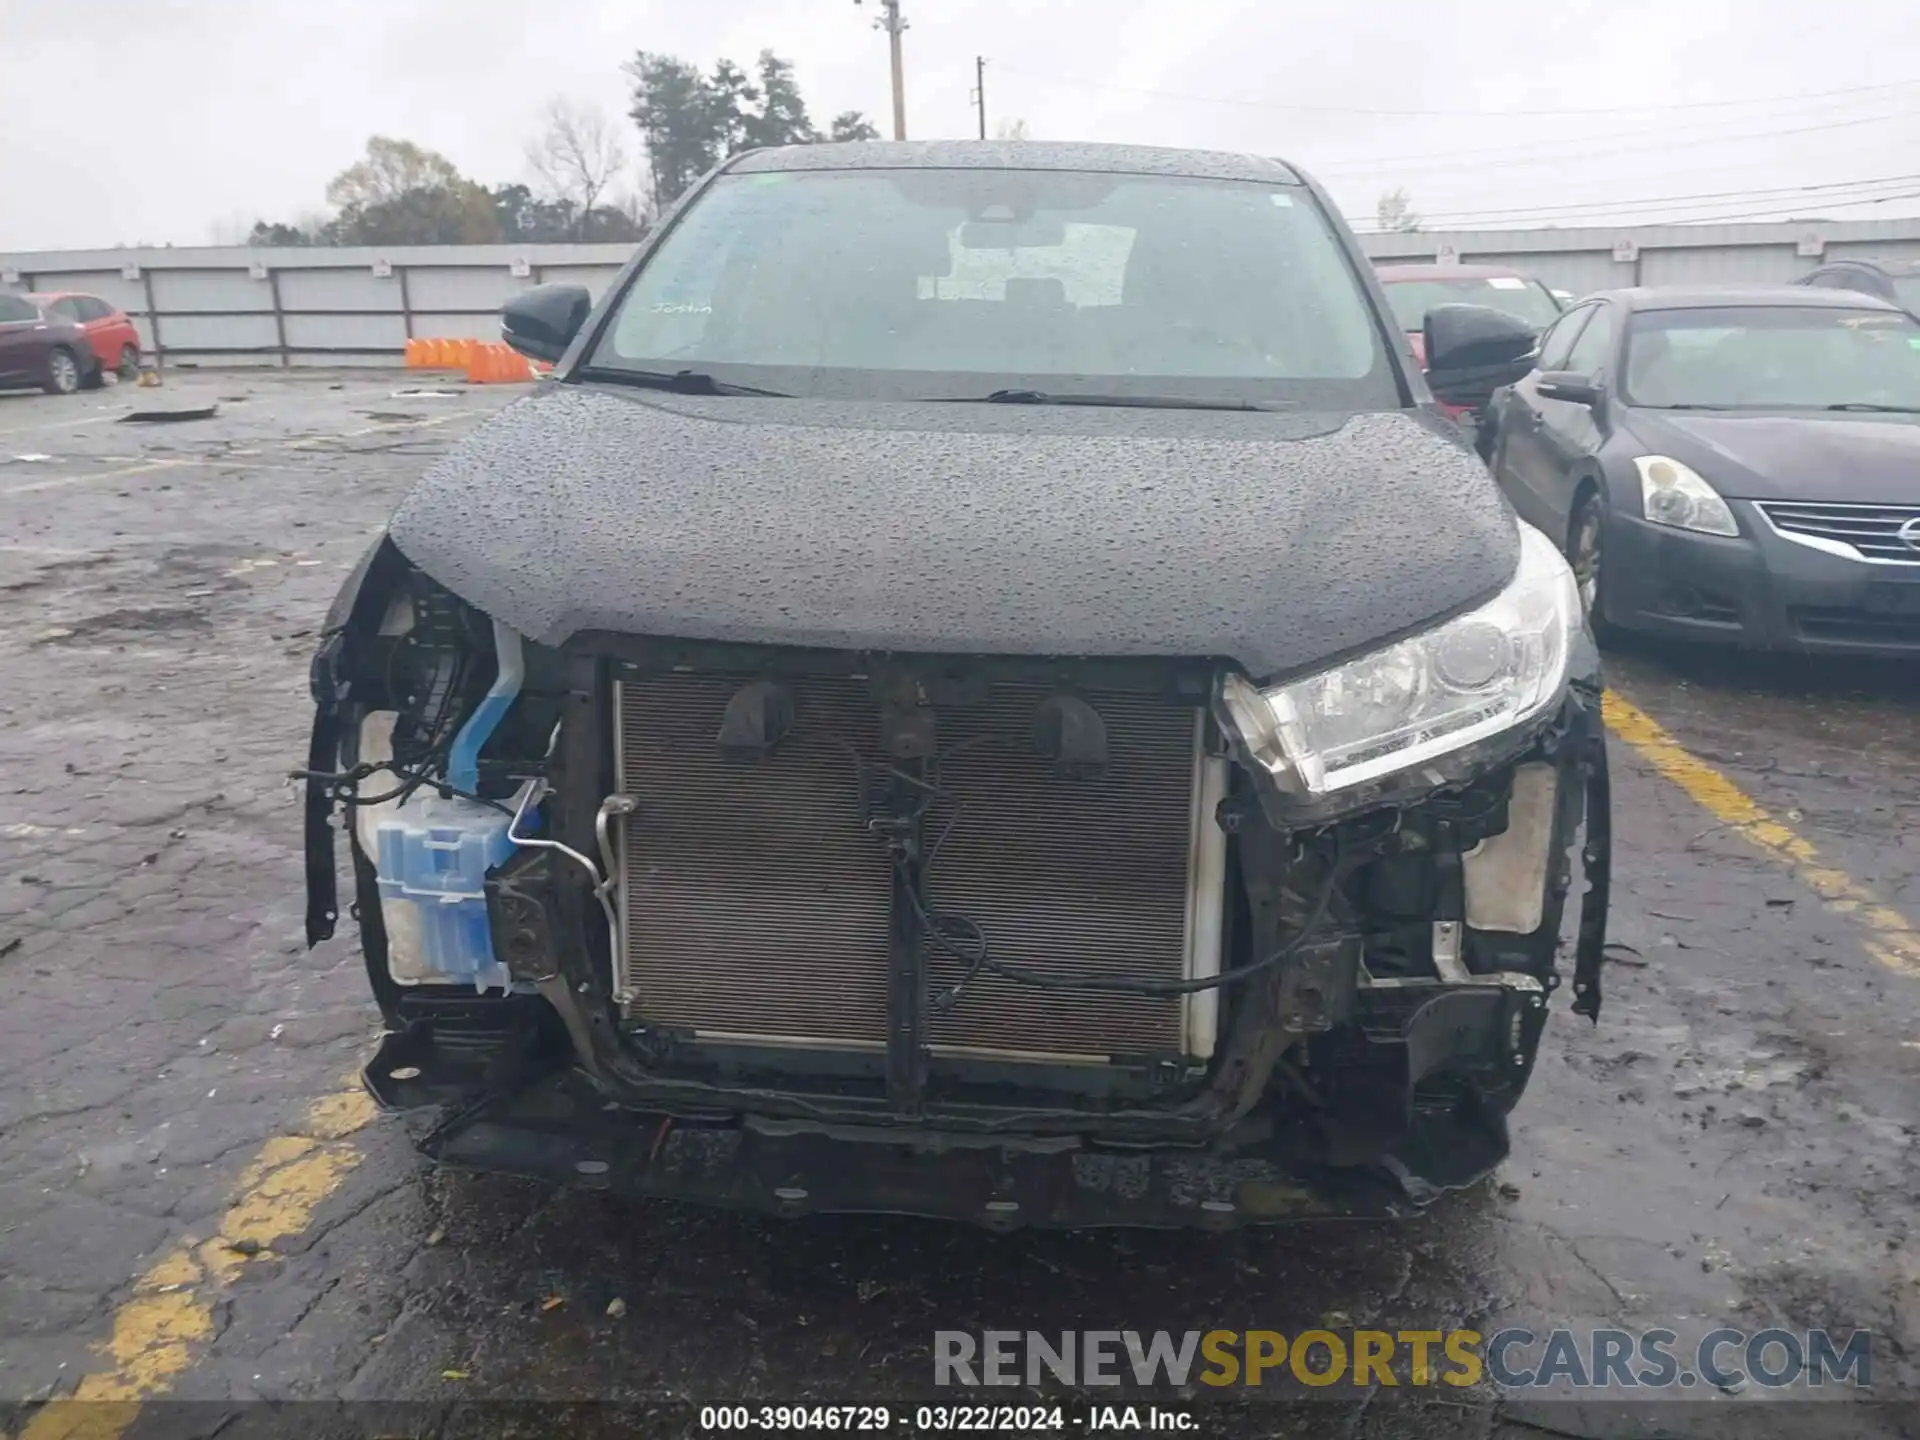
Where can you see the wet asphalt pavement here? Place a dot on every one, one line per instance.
(1733, 1144)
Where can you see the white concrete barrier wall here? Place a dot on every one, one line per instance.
(236, 306)
(1586, 259)
(359, 306)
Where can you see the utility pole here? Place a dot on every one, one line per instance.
(980, 90)
(892, 22)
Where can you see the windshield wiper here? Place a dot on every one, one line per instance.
(684, 382)
(1137, 402)
(1868, 405)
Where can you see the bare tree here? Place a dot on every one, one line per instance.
(1011, 130)
(1394, 211)
(633, 206)
(577, 158)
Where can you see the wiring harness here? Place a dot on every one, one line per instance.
(965, 940)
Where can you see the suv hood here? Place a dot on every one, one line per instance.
(1855, 457)
(1278, 540)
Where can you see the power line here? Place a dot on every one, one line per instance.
(1350, 200)
(1717, 214)
(1536, 153)
(1768, 214)
(1782, 211)
(1764, 210)
(1741, 197)
(1497, 159)
(1460, 114)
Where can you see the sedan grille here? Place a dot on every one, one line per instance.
(757, 907)
(1888, 533)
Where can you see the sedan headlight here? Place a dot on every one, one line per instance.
(1672, 494)
(1469, 679)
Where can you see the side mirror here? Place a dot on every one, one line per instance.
(540, 323)
(1567, 385)
(1472, 350)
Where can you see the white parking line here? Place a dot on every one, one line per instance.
(61, 482)
(60, 425)
(425, 422)
(312, 444)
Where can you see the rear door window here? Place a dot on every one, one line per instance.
(1555, 344)
(13, 309)
(1593, 351)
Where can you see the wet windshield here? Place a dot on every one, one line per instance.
(1526, 300)
(1907, 292)
(952, 283)
(1779, 357)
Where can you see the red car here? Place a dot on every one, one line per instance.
(109, 332)
(1413, 290)
(38, 347)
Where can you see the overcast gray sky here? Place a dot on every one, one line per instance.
(155, 121)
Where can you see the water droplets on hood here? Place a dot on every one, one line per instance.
(1275, 538)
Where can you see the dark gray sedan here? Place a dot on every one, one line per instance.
(1734, 464)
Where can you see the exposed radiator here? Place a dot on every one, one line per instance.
(755, 905)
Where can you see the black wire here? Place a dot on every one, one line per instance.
(1134, 985)
(444, 685)
(438, 740)
(864, 769)
(444, 689)
(932, 925)
(414, 778)
(979, 959)
(933, 850)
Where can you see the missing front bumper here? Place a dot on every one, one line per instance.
(752, 1168)
(574, 1090)
(520, 1114)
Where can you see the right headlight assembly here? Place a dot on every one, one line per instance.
(1674, 494)
(1469, 679)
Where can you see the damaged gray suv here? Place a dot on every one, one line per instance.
(982, 687)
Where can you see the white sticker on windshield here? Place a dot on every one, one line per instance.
(1507, 282)
(1284, 201)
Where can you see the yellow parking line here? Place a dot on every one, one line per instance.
(1893, 941)
(170, 1315)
